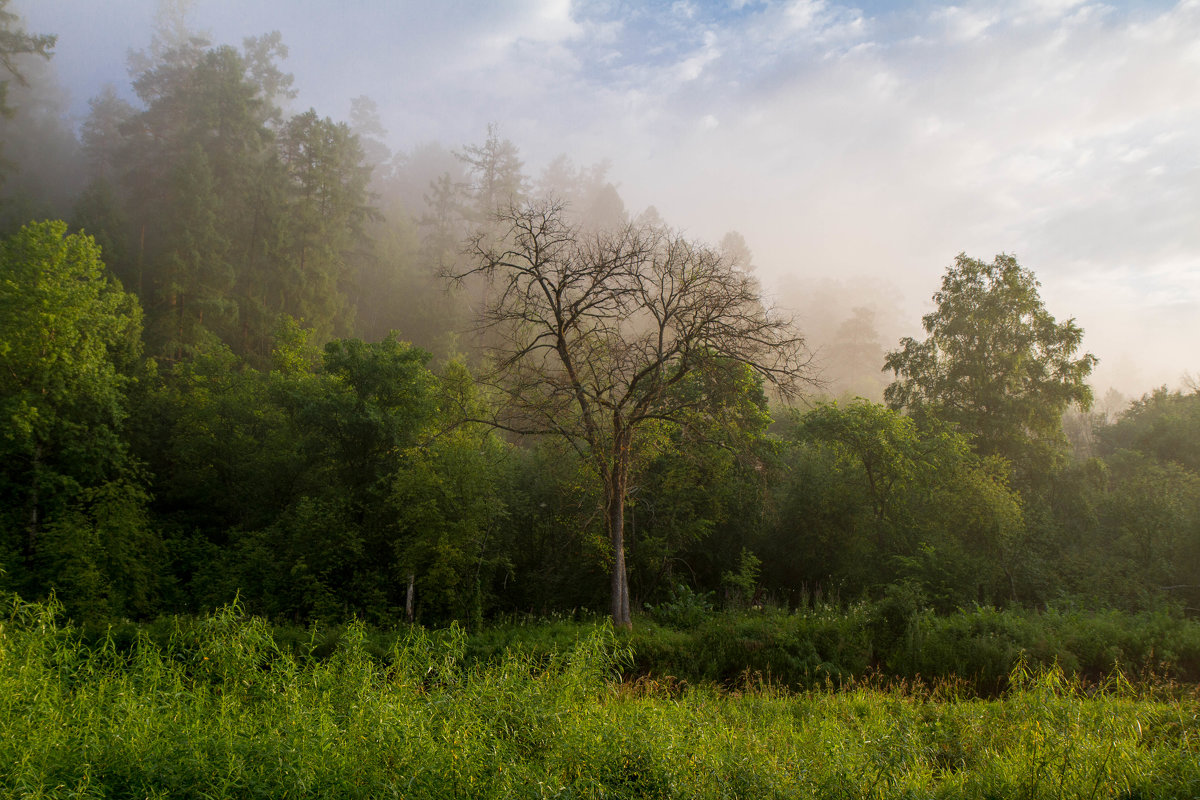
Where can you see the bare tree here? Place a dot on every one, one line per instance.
(594, 336)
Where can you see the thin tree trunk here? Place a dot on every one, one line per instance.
(616, 530)
(408, 599)
(33, 526)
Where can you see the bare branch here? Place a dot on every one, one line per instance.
(594, 336)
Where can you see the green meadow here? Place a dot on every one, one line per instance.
(223, 707)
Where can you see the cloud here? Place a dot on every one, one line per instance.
(1065, 132)
(878, 142)
(961, 25)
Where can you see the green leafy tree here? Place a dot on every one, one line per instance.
(699, 499)
(1164, 425)
(202, 213)
(1124, 533)
(1127, 528)
(196, 274)
(870, 497)
(555, 539)
(71, 497)
(188, 169)
(1146, 548)
(995, 363)
(316, 489)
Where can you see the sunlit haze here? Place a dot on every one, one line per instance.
(863, 145)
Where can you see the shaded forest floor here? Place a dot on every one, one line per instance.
(224, 707)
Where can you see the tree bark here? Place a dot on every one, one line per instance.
(408, 599)
(616, 530)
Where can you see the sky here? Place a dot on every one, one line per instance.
(867, 142)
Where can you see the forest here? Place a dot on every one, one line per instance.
(255, 355)
(332, 471)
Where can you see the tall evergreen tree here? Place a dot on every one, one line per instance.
(327, 206)
(203, 192)
(496, 180)
(15, 43)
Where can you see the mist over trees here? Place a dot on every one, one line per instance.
(235, 366)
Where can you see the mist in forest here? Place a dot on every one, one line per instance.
(444, 312)
(851, 150)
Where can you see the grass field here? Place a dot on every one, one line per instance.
(221, 711)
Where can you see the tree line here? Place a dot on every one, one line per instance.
(244, 361)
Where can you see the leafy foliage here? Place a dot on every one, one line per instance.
(871, 497)
(315, 490)
(290, 445)
(995, 363)
(1163, 425)
(225, 215)
(71, 495)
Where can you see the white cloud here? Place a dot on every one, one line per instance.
(1066, 131)
(691, 68)
(964, 25)
(802, 14)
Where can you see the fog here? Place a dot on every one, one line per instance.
(856, 148)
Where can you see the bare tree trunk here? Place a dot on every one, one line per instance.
(616, 530)
(408, 600)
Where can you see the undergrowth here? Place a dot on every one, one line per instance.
(826, 645)
(220, 710)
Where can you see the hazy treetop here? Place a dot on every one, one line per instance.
(837, 141)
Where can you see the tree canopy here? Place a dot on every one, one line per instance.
(995, 363)
(872, 497)
(299, 423)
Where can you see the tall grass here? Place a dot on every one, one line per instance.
(221, 711)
